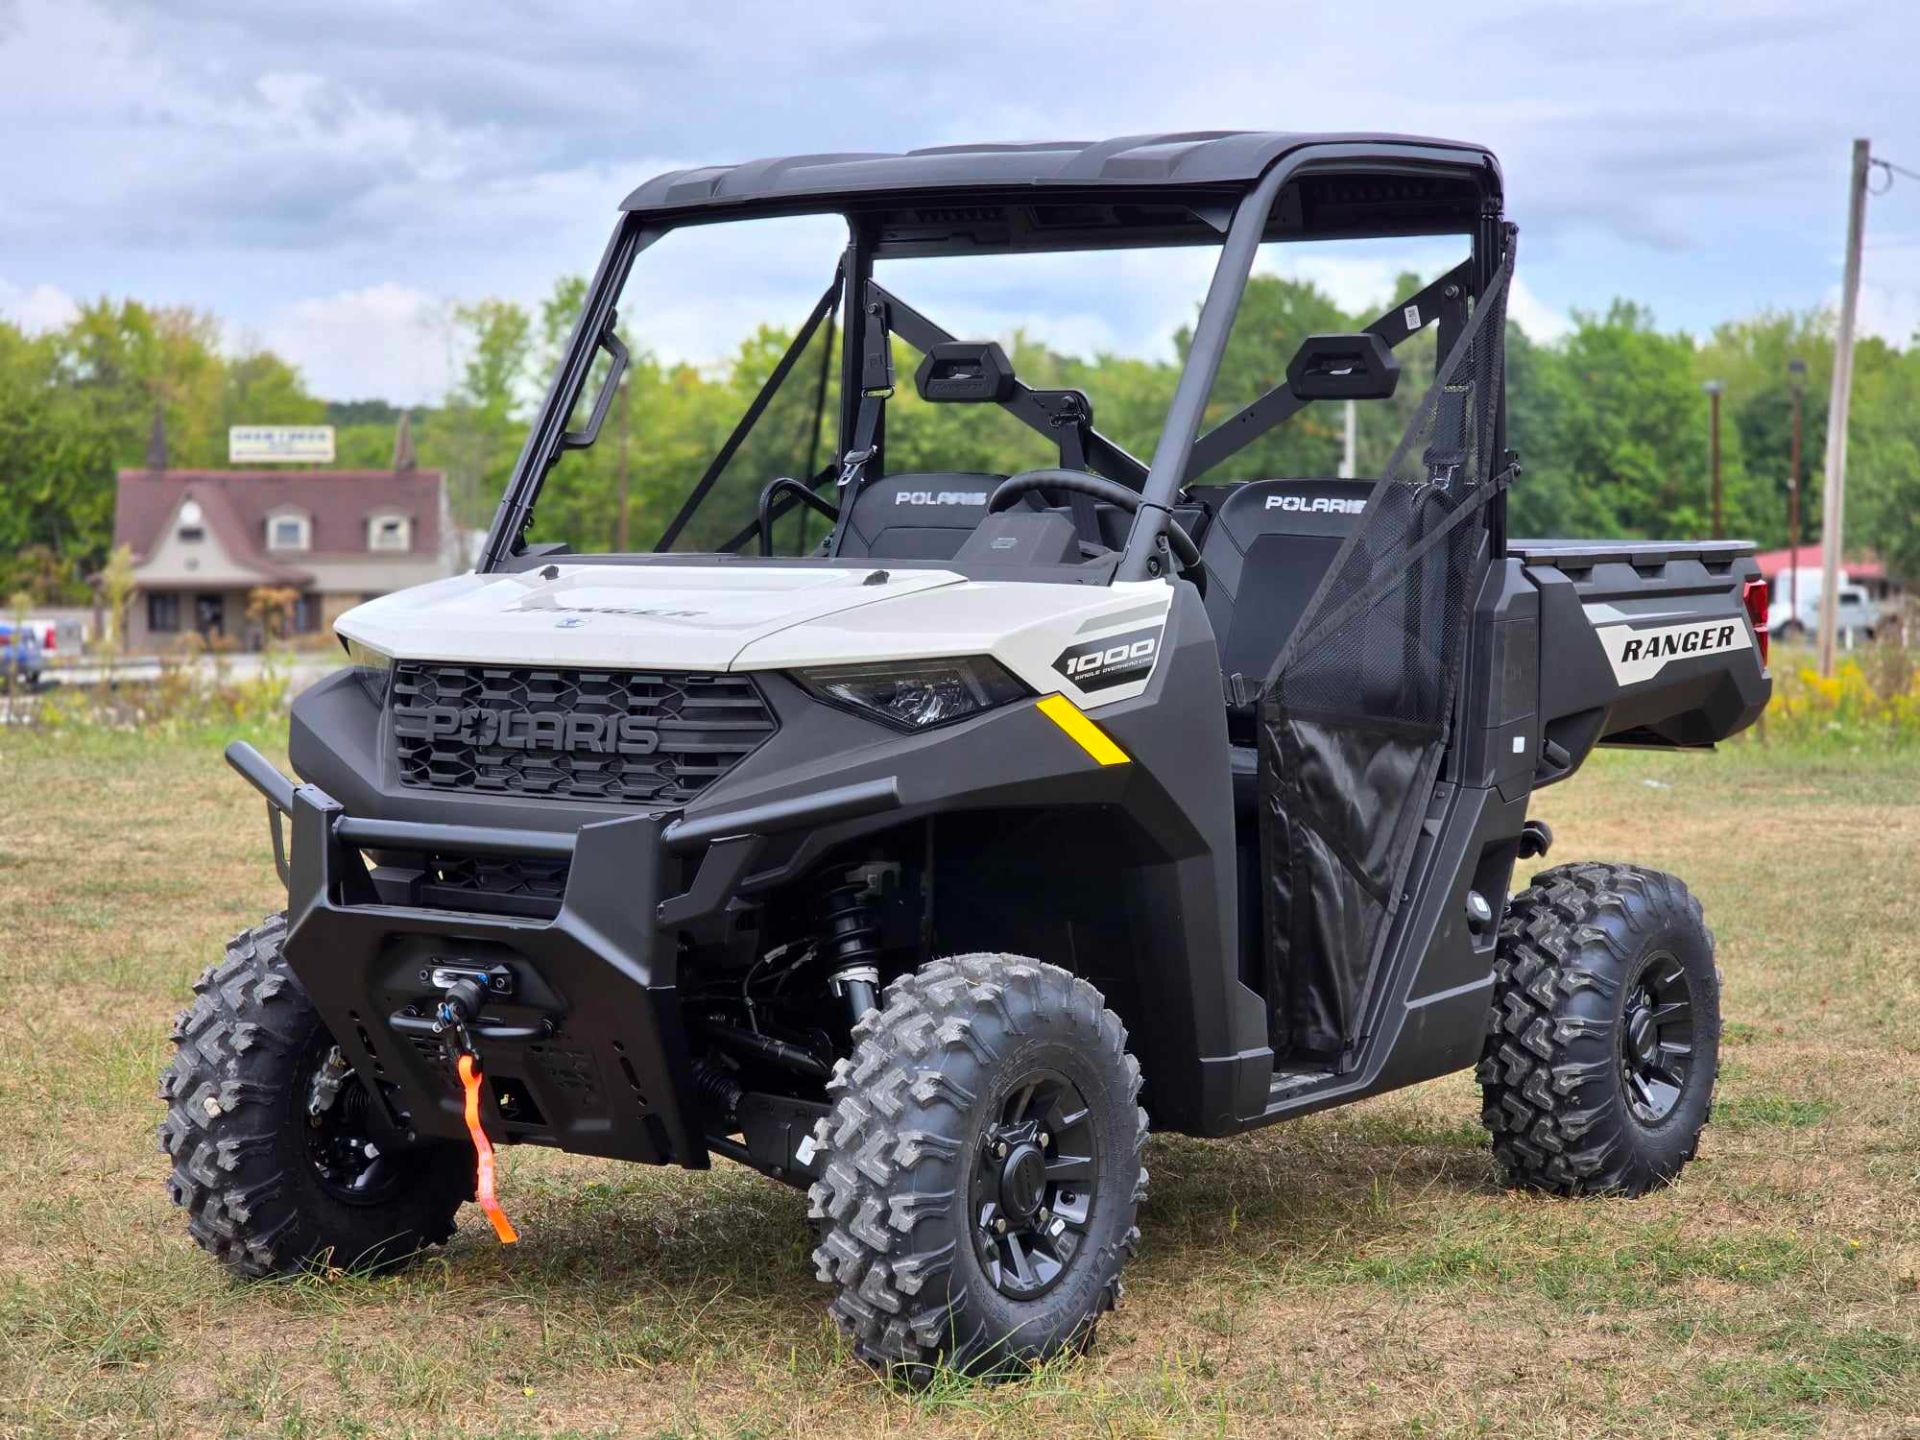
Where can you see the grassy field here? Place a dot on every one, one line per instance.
(1357, 1273)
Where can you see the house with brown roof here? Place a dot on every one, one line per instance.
(204, 541)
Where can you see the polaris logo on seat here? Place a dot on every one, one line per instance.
(940, 497)
(482, 726)
(1319, 505)
(1639, 655)
(1116, 660)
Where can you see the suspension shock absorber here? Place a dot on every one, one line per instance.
(721, 1092)
(853, 947)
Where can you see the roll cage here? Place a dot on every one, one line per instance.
(1235, 190)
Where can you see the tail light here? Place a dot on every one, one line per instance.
(1754, 597)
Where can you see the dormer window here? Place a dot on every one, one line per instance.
(389, 532)
(289, 532)
(192, 524)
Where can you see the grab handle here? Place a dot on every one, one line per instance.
(603, 402)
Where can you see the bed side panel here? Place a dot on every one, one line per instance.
(1643, 645)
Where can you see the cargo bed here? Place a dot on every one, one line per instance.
(1646, 643)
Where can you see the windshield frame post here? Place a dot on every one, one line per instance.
(543, 447)
(1493, 240)
(1210, 335)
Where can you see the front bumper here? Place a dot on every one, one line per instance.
(581, 1039)
(582, 1043)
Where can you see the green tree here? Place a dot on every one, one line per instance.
(1751, 357)
(259, 388)
(1274, 317)
(1545, 500)
(1610, 421)
(1883, 457)
(1613, 428)
(558, 314)
(485, 412)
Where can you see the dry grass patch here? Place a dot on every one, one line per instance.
(1356, 1273)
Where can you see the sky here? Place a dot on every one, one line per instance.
(332, 177)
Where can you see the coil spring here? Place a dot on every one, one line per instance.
(853, 929)
(719, 1089)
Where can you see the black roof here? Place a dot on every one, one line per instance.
(1216, 159)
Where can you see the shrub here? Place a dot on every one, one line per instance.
(1871, 701)
(185, 696)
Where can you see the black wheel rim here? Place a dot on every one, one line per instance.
(1033, 1186)
(350, 1150)
(1656, 1039)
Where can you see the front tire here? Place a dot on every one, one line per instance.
(1604, 1037)
(270, 1132)
(980, 1170)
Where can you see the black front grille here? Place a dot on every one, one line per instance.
(531, 885)
(629, 736)
(519, 877)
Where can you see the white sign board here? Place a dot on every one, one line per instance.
(280, 444)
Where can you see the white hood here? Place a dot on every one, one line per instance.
(698, 617)
(741, 616)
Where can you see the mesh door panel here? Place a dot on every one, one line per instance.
(1354, 716)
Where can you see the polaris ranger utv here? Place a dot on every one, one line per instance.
(902, 835)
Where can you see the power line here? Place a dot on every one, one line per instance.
(1892, 170)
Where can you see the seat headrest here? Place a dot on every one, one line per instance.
(1293, 507)
(920, 516)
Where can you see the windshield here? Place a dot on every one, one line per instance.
(741, 412)
(737, 375)
(706, 315)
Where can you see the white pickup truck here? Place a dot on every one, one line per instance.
(1794, 609)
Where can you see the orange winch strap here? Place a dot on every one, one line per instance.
(483, 1148)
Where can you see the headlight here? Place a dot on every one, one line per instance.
(916, 694)
(372, 668)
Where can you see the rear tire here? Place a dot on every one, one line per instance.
(1604, 1036)
(980, 1170)
(270, 1188)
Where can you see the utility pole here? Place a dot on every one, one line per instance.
(626, 396)
(1833, 504)
(1713, 389)
(1349, 457)
(1797, 383)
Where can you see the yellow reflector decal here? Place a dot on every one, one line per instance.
(1087, 735)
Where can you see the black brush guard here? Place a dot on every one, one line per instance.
(581, 1037)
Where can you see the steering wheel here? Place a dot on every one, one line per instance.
(1015, 487)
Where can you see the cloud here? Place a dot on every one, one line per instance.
(1532, 314)
(384, 341)
(38, 307)
(310, 166)
(1364, 277)
(1124, 302)
(1890, 312)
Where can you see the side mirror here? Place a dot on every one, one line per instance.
(1343, 367)
(965, 372)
